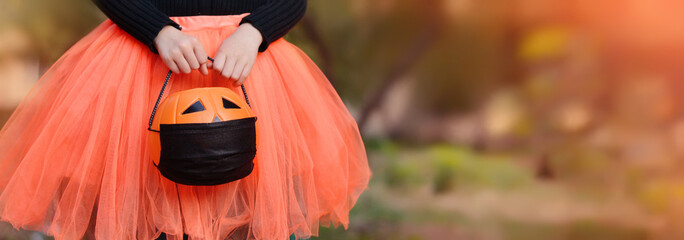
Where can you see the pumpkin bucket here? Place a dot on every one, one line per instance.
(203, 136)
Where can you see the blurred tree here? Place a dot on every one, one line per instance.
(470, 60)
(53, 26)
(367, 46)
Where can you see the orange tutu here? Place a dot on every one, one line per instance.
(74, 159)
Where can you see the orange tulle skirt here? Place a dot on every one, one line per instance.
(74, 159)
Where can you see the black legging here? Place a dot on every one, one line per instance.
(163, 237)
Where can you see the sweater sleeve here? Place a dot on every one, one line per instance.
(139, 18)
(275, 19)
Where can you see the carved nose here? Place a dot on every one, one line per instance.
(217, 119)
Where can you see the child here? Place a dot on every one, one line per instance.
(74, 159)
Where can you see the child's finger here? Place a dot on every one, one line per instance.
(228, 68)
(237, 72)
(203, 69)
(241, 81)
(183, 65)
(200, 54)
(219, 62)
(245, 73)
(190, 58)
(172, 65)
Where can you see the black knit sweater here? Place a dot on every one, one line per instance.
(143, 19)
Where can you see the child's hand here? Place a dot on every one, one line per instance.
(180, 51)
(236, 55)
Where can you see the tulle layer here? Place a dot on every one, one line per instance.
(74, 160)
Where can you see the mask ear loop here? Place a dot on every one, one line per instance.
(161, 93)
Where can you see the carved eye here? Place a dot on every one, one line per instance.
(228, 104)
(195, 107)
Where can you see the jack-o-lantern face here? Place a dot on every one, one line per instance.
(199, 105)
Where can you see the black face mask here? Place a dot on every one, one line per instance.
(206, 154)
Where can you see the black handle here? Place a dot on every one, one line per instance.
(161, 93)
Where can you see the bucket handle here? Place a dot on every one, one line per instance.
(161, 93)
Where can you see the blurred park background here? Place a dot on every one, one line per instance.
(483, 119)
